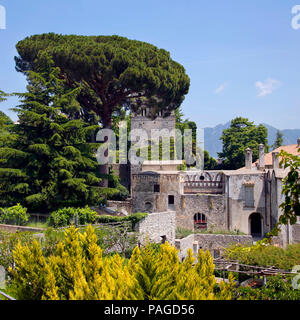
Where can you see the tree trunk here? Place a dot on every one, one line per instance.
(104, 169)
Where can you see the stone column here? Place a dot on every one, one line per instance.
(248, 158)
(261, 161)
(275, 160)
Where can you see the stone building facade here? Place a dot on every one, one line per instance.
(145, 122)
(246, 199)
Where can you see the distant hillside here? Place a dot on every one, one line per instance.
(213, 144)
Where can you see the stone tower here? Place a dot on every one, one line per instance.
(145, 122)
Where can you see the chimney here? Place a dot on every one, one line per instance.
(248, 158)
(275, 160)
(261, 161)
(298, 142)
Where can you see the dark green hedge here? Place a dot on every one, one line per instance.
(133, 218)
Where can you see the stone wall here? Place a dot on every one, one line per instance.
(160, 123)
(215, 243)
(295, 233)
(14, 229)
(124, 207)
(182, 245)
(238, 212)
(146, 200)
(157, 225)
(213, 206)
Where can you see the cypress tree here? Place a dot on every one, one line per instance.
(50, 162)
(279, 140)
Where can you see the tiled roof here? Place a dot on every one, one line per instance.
(292, 149)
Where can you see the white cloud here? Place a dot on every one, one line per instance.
(267, 87)
(220, 89)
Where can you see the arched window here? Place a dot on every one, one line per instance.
(200, 221)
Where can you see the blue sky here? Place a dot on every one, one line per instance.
(243, 57)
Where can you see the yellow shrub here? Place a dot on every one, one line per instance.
(78, 271)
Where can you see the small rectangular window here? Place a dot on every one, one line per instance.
(156, 188)
(171, 200)
(249, 196)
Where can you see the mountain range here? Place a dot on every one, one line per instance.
(213, 144)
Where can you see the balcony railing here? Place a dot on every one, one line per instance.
(203, 186)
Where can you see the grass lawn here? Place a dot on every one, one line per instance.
(42, 225)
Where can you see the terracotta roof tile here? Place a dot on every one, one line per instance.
(292, 149)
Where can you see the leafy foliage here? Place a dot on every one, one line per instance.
(133, 218)
(265, 255)
(65, 216)
(115, 191)
(115, 71)
(16, 215)
(78, 271)
(4, 120)
(115, 74)
(291, 188)
(242, 134)
(276, 288)
(279, 140)
(5, 123)
(50, 163)
(3, 96)
(209, 162)
(183, 233)
(8, 242)
(117, 239)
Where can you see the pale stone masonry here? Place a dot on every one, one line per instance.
(245, 200)
(157, 227)
(215, 243)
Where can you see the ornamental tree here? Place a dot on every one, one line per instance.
(4, 119)
(241, 134)
(115, 73)
(78, 270)
(279, 140)
(291, 188)
(49, 163)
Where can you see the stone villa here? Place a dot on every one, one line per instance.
(246, 199)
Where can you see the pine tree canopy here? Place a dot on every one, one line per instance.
(49, 163)
(114, 72)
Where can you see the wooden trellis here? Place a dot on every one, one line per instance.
(235, 266)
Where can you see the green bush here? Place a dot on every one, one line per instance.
(265, 256)
(133, 218)
(115, 194)
(183, 233)
(8, 242)
(65, 216)
(277, 288)
(16, 215)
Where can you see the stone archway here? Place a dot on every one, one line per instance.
(256, 225)
(148, 207)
